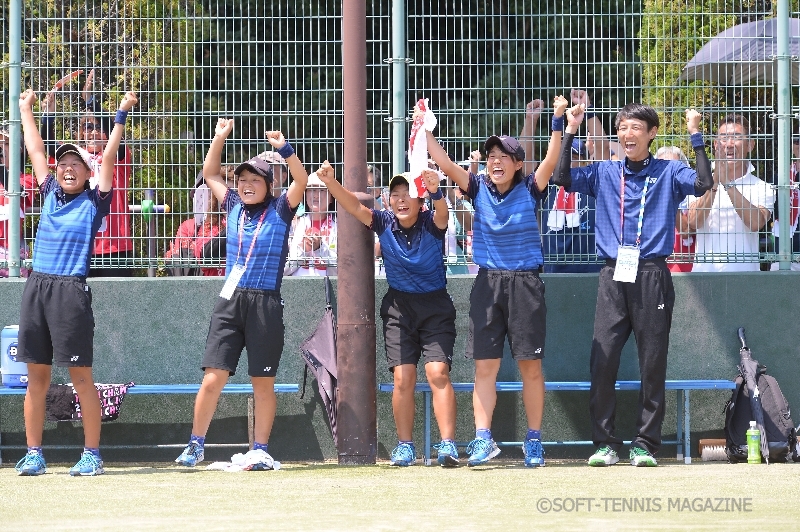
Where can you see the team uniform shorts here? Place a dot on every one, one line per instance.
(418, 325)
(56, 321)
(251, 319)
(506, 302)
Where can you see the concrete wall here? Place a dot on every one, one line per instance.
(154, 330)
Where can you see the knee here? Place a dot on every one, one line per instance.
(213, 382)
(485, 370)
(531, 370)
(438, 377)
(404, 382)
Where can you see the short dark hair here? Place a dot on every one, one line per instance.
(638, 111)
(735, 118)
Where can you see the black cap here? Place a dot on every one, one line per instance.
(258, 166)
(509, 145)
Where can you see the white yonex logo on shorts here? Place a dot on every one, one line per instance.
(74, 359)
(538, 350)
(268, 368)
(661, 306)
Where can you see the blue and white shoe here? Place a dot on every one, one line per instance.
(481, 451)
(191, 456)
(88, 466)
(404, 455)
(448, 454)
(31, 465)
(534, 453)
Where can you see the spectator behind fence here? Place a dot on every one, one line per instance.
(637, 202)
(113, 242)
(569, 219)
(56, 319)
(249, 312)
(313, 247)
(507, 298)
(28, 187)
(684, 242)
(726, 220)
(794, 207)
(200, 242)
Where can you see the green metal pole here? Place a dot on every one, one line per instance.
(399, 69)
(14, 133)
(784, 127)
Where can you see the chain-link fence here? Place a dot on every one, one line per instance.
(483, 66)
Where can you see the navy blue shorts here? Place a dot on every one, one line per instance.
(251, 319)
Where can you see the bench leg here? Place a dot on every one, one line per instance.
(679, 418)
(687, 459)
(251, 420)
(427, 396)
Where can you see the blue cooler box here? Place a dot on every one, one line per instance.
(15, 374)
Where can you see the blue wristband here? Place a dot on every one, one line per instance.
(48, 119)
(557, 124)
(587, 114)
(436, 195)
(697, 140)
(286, 150)
(121, 117)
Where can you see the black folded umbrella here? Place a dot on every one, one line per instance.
(319, 354)
(749, 369)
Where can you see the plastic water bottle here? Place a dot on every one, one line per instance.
(753, 444)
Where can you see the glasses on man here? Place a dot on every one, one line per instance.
(90, 126)
(731, 137)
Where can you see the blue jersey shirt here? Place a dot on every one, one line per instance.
(413, 257)
(505, 229)
(570, 243)
(66, 231)
(265, 267)
(668, 183)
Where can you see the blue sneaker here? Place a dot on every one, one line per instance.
(534, 454)
(31, 465)
(88, 466)
(404, 455)
(481, 451)
(191, 456)
(448, 454)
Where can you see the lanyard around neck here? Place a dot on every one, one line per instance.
(622, 207)
(255, 236)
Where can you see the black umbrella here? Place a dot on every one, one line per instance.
(750, 371)
(319, 354)
(743, 53)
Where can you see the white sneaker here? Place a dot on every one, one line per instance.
(604, 456)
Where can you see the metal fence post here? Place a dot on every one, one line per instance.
(399, 70)
(14, 129)
(784, 127)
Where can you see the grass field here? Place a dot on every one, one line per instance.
(566, 495)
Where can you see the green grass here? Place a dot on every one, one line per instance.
(500, 496)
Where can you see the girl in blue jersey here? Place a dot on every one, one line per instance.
(56, 319)
(249, 311)
(418, 314)
(507, 298)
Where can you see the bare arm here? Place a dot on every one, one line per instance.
(699, 210)
(753, 216)
(33, 140)
(297, 189)
(106, 180)
(441, 214)
(532, 113)
(211, 166)
(594, 127)
(344, 197)
(459, 176)
(545, 170)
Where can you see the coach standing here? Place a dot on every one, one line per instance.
(637, 200)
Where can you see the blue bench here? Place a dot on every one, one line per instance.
(159, 389)
(682, 387)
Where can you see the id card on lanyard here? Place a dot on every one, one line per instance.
(237, 271)
(627, 265)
